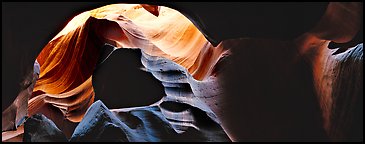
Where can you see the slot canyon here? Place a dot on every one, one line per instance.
(182, 71)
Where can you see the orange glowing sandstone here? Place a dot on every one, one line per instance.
(68, 60)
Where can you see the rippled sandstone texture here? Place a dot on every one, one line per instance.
(69, 59)
(73, 99)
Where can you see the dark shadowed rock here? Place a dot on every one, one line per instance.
(269, 95)
(14, 115)
(39, 128)
(347, 95)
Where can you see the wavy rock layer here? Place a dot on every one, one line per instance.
(69, 58)
(182, 87)
(139, 124)
(284, 96)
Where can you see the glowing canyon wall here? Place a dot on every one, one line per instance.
(246, 88)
